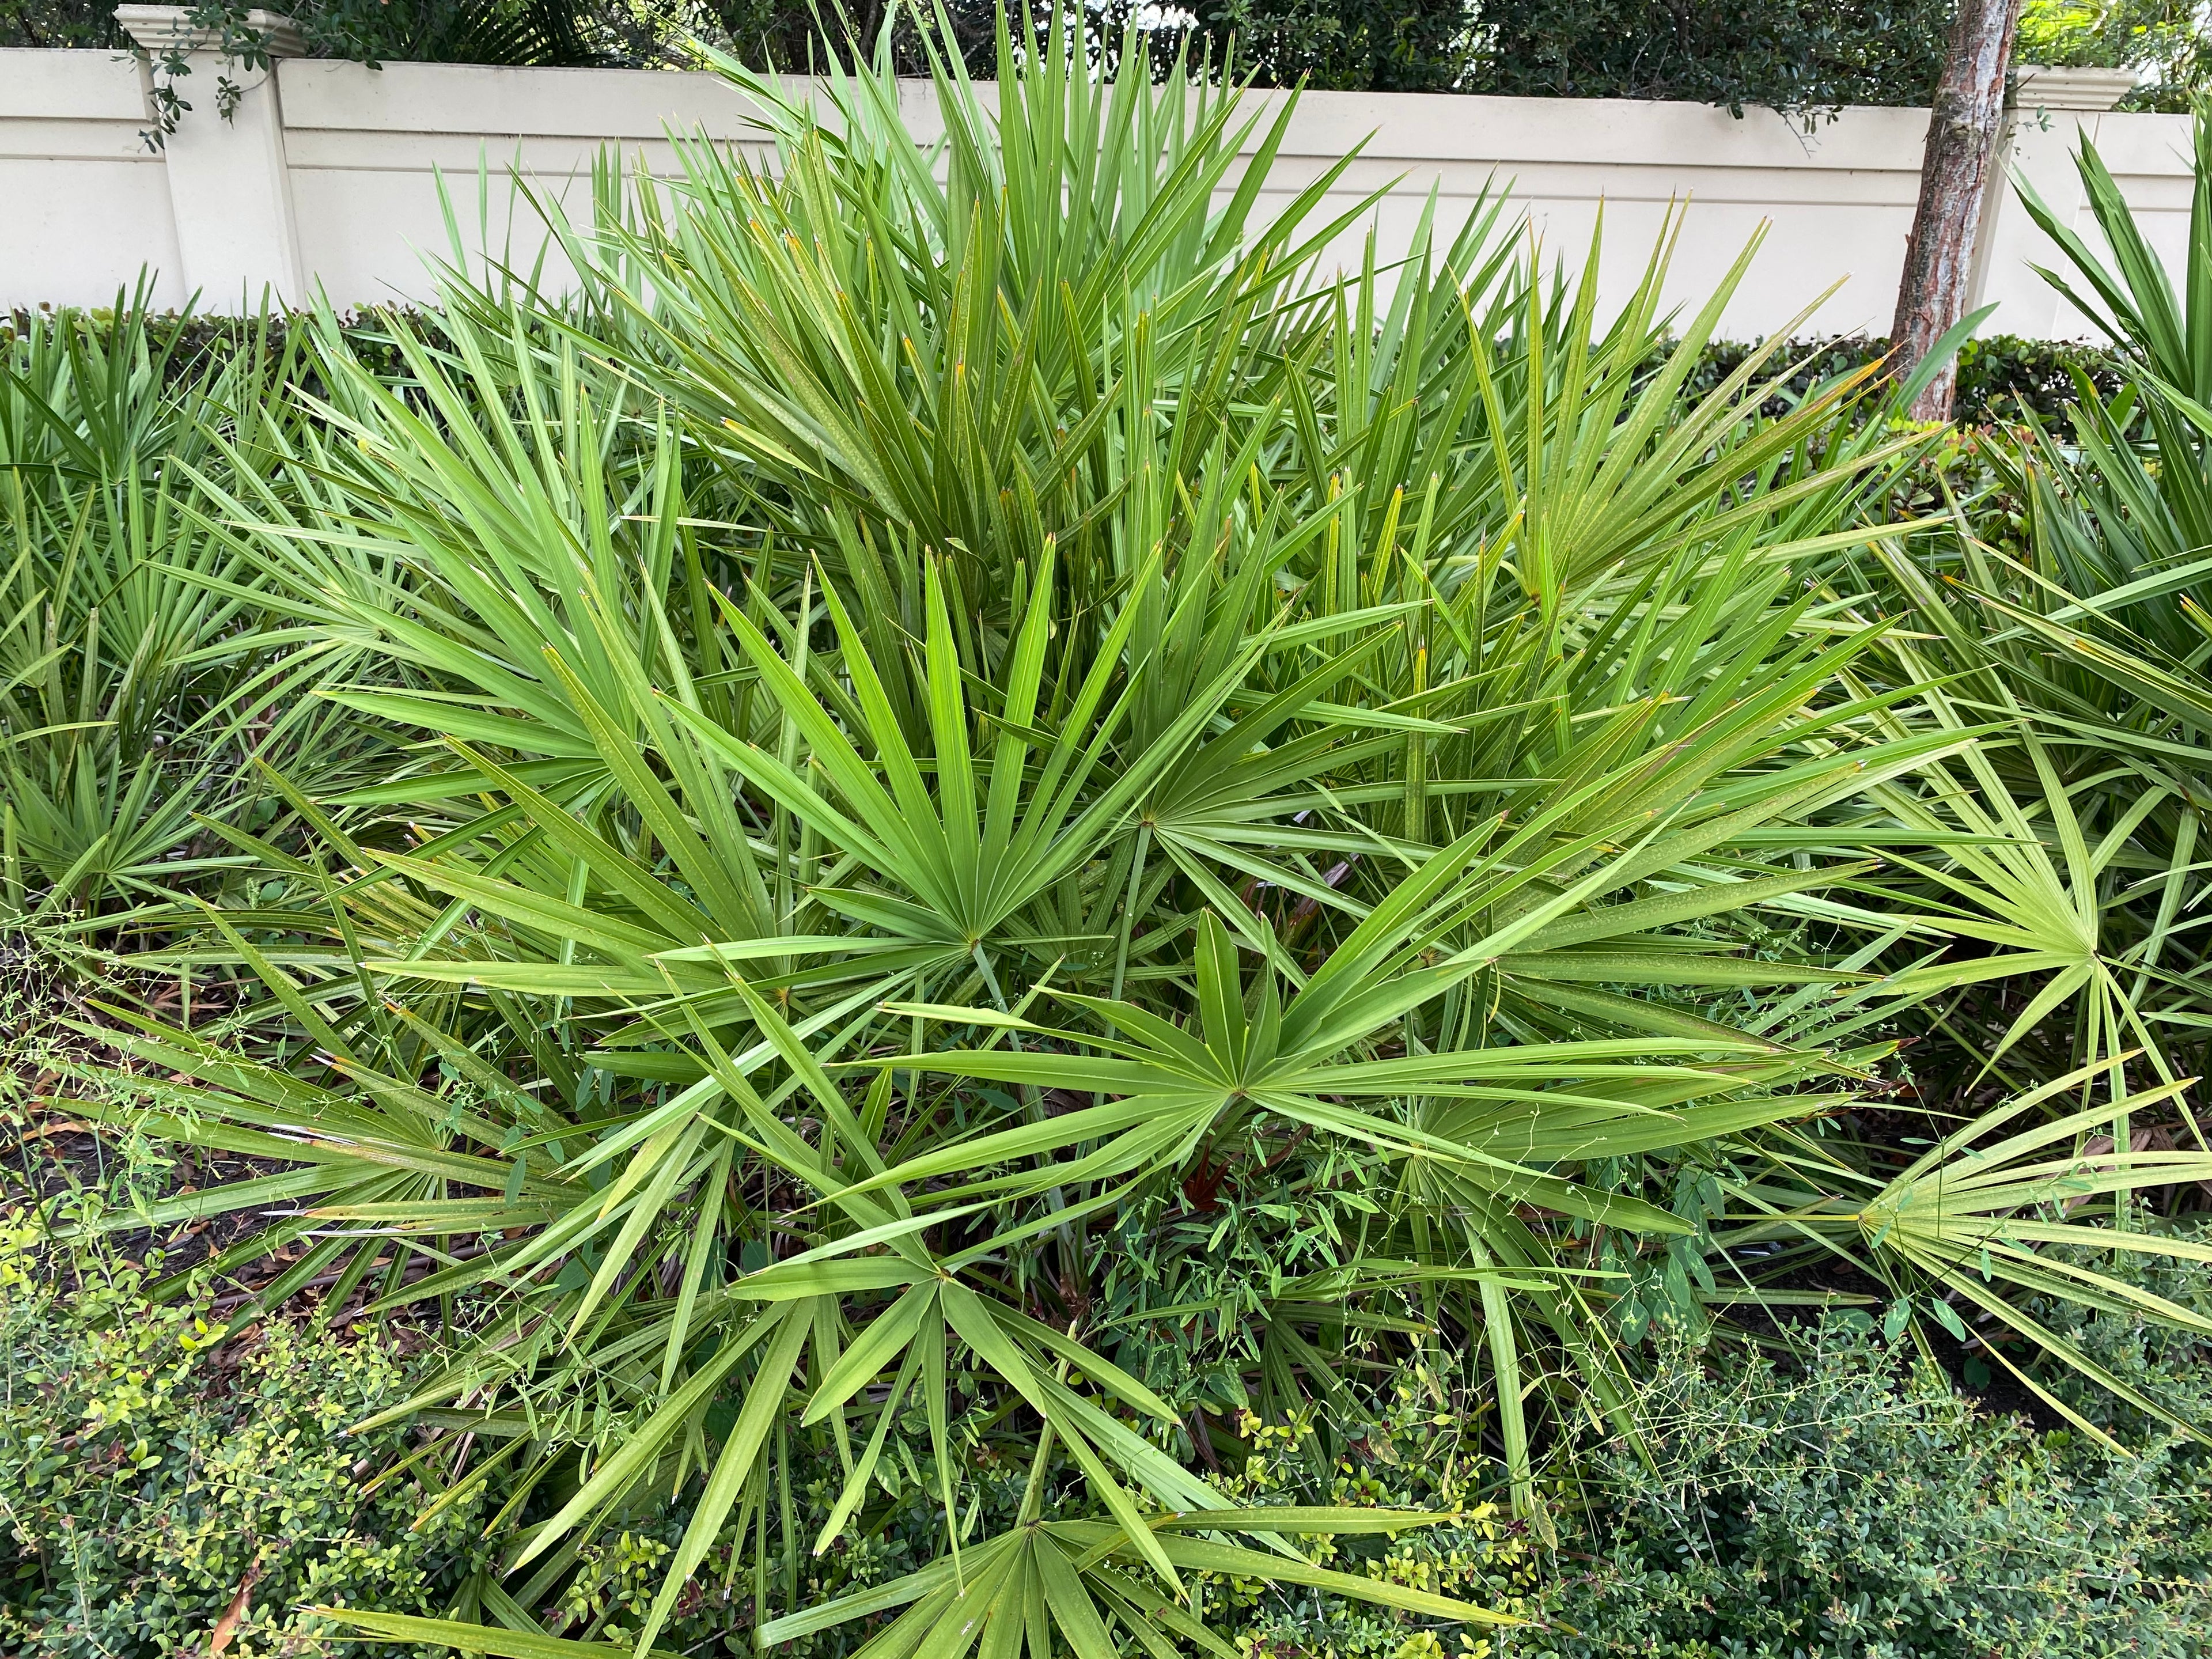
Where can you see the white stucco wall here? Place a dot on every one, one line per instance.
(332, 175)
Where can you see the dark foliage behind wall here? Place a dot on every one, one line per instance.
(367, 31)
(58, 23)
(1798, 55)
(1359, 46)
(1789, 54)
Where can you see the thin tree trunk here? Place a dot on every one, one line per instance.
(1954, 175)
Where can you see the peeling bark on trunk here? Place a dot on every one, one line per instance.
(1954, 175)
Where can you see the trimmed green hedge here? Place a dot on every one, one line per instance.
(2000, 378)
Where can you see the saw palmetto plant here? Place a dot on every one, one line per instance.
(2080, 647)
(971, 714)
(138, 676)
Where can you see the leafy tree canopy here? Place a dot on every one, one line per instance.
(1796, 55)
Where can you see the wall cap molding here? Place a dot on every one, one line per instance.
(2040, 86)
(166, 28)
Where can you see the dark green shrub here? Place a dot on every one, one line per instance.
(78, 23)
(1861, 1506)
(462, 31)
(154, 1462)
(1796, 56)
(2002, 377)
(1353, 45)
(1849, 1503)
